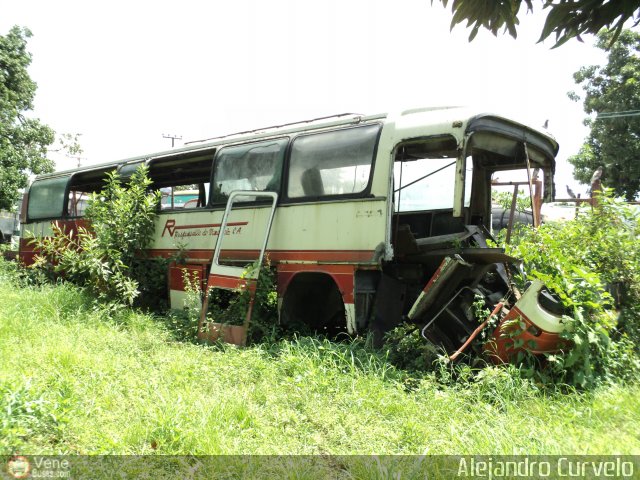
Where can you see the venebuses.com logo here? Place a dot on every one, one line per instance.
(18, 467)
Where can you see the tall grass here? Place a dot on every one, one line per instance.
(78, 378)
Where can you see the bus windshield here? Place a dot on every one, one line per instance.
(424, 173)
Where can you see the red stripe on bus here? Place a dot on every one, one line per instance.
(230, 283)
(276, 255)
(177, 273)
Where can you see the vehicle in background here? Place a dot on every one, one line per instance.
(501, 215)
(10, 223)
(171, 198)
(369, 221)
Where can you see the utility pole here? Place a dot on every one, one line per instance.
(172, 137)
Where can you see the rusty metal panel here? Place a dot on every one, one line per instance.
(447, 270)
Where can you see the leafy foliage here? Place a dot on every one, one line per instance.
(582, 261)
(230, 307)
(612, 92)
(107, 256)
(406, 349)
(119, 384)
(566, 18)
(183, 323)
(122, 217)
(27, 416)
(264, 324)
(23, 141)
(78, 258)
(593, 265)
(523, 201)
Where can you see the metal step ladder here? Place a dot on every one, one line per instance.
(228, 277)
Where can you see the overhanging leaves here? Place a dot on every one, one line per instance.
(566, 19)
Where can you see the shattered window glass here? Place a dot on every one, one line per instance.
(254, 166)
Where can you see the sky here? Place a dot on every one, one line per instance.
(125, 73)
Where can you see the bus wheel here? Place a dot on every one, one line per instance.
(313, 304)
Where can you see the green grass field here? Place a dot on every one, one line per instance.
(78, 379)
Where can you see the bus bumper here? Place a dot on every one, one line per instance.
(528, 326)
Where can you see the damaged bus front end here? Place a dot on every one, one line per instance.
(442, 266)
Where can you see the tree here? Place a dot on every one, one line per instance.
(566, 18)
(23, 141)
(612, 93)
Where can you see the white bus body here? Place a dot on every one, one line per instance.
(368, 209)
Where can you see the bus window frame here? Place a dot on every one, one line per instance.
(64, 199)
(222, 205)
(365, 193)
(105, 171)
(457, 185)
(207, 154)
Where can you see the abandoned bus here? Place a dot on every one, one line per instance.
(369, 221)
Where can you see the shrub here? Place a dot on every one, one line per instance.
(104, 257)
(583, 261)
(230, 306)
(183, 323)
(504, 199)
(406, 349)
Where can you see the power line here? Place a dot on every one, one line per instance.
(172, 137)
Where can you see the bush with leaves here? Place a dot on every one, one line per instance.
(582, 261)
(504, 199)
(405, 348)
(183, 322)
(105, 256)
(230, 307)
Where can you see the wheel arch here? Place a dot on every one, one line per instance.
(324, 292)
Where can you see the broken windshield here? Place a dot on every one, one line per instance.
(424, 175)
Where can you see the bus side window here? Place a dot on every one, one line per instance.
(183, 182)
(46, 198)
(64, 196)
(81, 186)
(77, 203)
(332, 163)
(254, 166)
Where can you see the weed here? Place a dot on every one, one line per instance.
(27, 418)
(230, 307)
(580, 260)
(183, 323)
(504, 199)
(407, 349)
(122, 385)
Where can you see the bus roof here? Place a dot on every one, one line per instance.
(405, 124)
